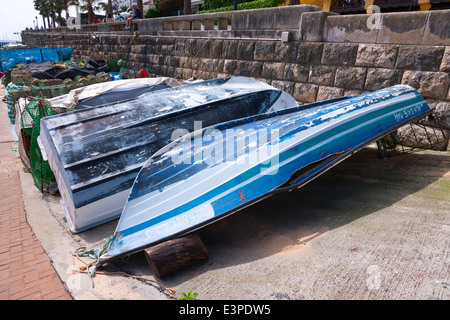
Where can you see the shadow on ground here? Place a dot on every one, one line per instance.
(287, 222)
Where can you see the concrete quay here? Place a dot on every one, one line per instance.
(368, 229)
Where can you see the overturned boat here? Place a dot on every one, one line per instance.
(210, 174)
(96, 153)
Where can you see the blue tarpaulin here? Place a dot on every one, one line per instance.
(10, 57)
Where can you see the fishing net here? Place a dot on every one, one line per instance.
(112, 66)
(21, 77)
(126, 73)
(103, 77)
(37, 109)
(75, 63)
(81, 81)
(69, 84)
(10, 99)
(38, 89)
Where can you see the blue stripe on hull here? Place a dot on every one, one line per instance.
(251, 185)
(334, 146)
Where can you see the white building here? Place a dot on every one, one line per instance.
(119, 3)
(196, 5)
(148, 4)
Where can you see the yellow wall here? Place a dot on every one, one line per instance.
(424, 5)
(312, 2)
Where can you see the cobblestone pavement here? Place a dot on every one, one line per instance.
(26, 272)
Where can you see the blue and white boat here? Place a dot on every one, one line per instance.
(211, 173)
(96, 153)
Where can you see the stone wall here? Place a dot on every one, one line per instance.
(332, 55)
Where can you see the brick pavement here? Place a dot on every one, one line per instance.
(26, 272)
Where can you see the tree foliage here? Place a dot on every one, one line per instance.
(90, 6)
(154, 12)
(164, 8)
(256, 4)
(214, 4)
(50, 8)
(170, 7)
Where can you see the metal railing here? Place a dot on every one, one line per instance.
(348, 6)
(342, 6)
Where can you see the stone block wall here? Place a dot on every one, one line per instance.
(334, 59)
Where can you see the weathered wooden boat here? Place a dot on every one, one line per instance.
(210, 174)
(96, 153)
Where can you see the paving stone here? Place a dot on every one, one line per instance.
(21, 251)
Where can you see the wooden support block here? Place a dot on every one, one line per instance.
(172, 255)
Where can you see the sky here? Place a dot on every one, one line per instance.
(16, 15)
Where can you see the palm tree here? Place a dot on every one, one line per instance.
(59, 6)
(44, 8)
(140, 5)
(110, 7)
(47, 9)
(90, 6)
(38, 6)
(187, 7)
(66, 8)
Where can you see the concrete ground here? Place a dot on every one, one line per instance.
(367, 229)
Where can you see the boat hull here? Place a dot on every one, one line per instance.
(96, 153)
(279, 151)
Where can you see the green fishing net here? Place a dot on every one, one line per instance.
(30, 122)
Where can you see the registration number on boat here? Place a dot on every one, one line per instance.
(407, 113)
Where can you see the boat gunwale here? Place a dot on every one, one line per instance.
(160, 118)
(322, 169)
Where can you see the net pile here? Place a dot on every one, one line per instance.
(37, 109)
(23, 85)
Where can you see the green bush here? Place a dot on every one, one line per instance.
(257, 4)
(153, 13)
(214, 4)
